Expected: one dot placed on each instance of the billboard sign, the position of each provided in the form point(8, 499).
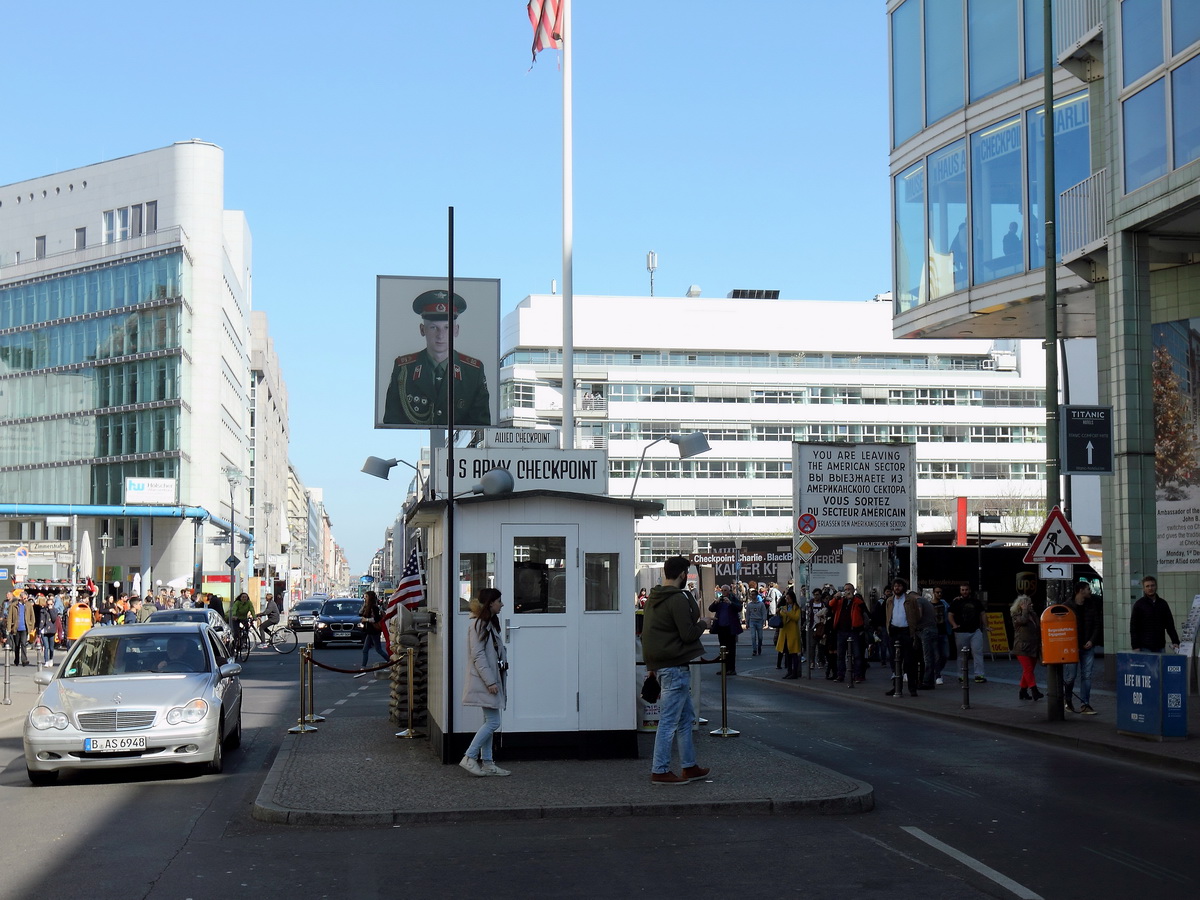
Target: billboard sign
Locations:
point(855, 489)
point(572, 471)
point(150, 491)
point(413, 319)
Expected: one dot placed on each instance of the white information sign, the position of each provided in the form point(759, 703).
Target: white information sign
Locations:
point(855, 489)
point(574, 471)
point(501, 438)
point(150, 491)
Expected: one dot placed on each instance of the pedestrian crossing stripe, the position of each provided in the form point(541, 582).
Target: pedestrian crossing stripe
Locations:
point(1056, 542)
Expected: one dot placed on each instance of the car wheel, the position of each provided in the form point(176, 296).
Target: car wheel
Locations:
point(235, 737)
point(40, 778)
point(215, 765)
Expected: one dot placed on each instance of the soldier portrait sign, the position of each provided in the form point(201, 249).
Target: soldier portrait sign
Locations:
point(415, 318)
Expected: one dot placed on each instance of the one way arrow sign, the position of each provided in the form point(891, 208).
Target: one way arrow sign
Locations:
point(1056, 542)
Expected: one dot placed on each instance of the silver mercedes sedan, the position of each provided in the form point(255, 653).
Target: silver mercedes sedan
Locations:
point(136, 695)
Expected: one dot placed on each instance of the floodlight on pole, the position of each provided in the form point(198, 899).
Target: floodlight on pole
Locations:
point(689, 445)
point(381, 468)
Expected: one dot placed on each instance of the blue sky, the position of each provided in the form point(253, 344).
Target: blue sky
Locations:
point(746, 150)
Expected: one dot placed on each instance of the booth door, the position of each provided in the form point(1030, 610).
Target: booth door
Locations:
point(540, 582)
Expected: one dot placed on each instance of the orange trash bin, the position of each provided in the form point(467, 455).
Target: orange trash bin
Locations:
point(79, 620)
point(1060, 635)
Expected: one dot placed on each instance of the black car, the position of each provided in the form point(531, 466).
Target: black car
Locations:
point(339, 621)
point(303, 616)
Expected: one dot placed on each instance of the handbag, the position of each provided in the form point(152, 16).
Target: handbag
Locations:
point(775, 621)
point(651, 689)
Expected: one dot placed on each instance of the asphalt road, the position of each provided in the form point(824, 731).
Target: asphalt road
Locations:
point(959, 814)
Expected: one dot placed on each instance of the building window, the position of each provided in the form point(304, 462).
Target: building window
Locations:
point(151, 217)
point(80, 238)
point(116, 225)
point(39, 247)
point(906, 71)
point(948, 220)
point(1185, 100)
point(1034, 34)
point(1144, 118)
point(1141, 38)
point(1072, 161)
point(135, 228)
point(909, 231)
point(943, 58)
point(1185, 25)
point(997, 196)
point(992, 45)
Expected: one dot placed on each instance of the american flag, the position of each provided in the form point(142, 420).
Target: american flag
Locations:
point(545, 17)
point(410, 593)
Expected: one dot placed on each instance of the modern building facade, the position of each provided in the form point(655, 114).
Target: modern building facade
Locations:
point(125, 293)
point(268, 454)
point(968, 131)
point(756, 374)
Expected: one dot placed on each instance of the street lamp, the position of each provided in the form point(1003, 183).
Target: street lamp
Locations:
point(234, 476)
point(381, 468)
point(105, 540)
point(689, 445)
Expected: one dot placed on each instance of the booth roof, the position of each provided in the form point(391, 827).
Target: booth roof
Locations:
point(435, 507)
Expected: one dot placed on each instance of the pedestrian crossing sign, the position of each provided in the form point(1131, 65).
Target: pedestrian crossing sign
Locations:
point(1056, 542)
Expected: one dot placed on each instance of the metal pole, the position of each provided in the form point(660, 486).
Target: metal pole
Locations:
point(410, 732)
point(301, 725)
point(232, 529)
point(451, 567)
point(724, 730)
point(964, 679)
point(312, 710)
point(1049, 212)
point(7, 701)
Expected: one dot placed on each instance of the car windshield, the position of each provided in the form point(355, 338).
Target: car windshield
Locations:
point(308, 606)
point(341, 608)
point(179, 615)
point(99, 655)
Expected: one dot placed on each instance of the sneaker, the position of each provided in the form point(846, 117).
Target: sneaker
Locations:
point(490, 768)
point(263, 646)
point(471, 764)
point(666, 778)
point(1071, 706)
point(696, 773)
point(938, 680)
point(979, 679)
point(1087, 710)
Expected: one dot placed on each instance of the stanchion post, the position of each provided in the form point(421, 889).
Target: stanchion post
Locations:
point(302, 725)
point(897, 671)
point(410, 731)
point(312, 710)
point(7, 688)
point(965, 655)
point(724, 730)
point(850, 673)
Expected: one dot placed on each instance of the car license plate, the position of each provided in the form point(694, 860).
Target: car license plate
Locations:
point(114, 744)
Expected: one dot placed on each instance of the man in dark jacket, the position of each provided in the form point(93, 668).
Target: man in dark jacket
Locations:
point(1087, 625)
point(1150, 618)
point(671, 630)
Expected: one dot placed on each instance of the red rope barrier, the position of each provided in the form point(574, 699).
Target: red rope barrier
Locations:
point(385, 665)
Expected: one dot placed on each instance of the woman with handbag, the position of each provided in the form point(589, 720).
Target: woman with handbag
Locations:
point(371, 615)
point(44, 617)
point(487, 662)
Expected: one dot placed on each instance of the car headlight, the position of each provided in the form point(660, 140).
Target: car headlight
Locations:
point(192, 713)
point(42, 717)
point(322, 624)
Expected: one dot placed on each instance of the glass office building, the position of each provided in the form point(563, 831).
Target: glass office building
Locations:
point(968, 128)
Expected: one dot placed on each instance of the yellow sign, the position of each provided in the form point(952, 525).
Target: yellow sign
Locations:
point(806, 547)
point(997, 636)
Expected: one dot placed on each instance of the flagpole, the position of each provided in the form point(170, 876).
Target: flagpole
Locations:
point(568, 317)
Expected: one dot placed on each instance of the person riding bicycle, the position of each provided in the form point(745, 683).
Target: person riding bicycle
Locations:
point(268, 619)
point(241, 611)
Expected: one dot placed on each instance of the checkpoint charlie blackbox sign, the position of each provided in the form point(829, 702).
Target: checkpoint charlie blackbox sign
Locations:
point(574, 471)
point(855, 489)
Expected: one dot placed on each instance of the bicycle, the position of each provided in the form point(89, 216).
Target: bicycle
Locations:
point(279, 638)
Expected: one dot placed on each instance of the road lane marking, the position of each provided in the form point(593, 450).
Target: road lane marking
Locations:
point(947, 787)
point(975, 865)
point(1140, 865)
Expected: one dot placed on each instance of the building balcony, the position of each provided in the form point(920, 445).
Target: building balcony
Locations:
point(1079, 29)
point(1083, 238)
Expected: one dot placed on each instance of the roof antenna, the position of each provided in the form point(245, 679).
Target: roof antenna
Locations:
point(651, 265)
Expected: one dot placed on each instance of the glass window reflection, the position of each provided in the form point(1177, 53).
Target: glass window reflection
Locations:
point(906, 71)
point(1185, 100)
point(1145, 129)
point(1072, 162)
point(475, 572)
point(992, 45)
point(909, 231)
point(539, 575)
point(1034, 33)
point(601, 576)
point(943, 58)
point(1141, 38)
point(948, 242)
point(1185, 25)
point(997, 194)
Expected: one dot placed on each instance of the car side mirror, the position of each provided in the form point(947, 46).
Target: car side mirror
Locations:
point(42, 679)
point(231, 669)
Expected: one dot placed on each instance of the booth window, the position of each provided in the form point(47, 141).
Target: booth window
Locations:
point(539, 575)
point(600, 582)
point(475, 572)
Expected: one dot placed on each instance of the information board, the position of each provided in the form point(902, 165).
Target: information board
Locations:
point(855, 489)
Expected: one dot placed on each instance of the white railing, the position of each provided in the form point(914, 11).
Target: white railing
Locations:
point(1083, 211)
point(68, 259)
point(1073, 19)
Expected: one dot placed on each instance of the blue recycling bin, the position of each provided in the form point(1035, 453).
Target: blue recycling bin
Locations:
point(1152, 695)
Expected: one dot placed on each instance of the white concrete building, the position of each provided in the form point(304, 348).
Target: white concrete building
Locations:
point(757, 374)
point(125, 294)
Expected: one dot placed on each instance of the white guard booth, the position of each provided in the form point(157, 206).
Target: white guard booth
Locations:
point(564, 565)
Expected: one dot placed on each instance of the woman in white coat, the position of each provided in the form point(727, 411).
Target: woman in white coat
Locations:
point(486, 665)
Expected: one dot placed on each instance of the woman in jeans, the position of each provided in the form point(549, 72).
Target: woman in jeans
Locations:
point(371, 616)
point(486, 665)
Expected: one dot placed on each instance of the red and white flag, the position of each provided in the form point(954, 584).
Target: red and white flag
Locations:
point(545, 17)
point(409, 594)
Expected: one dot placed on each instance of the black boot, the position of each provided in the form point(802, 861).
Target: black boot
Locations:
point(1023, 694)
point(1037, 695)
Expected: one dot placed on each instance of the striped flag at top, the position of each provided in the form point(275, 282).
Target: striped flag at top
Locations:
point(408, 595)
point(547, 27)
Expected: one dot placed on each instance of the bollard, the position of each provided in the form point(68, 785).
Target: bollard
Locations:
point(302, 725)
point(724, 730)
point(850, 673)
point(312, 710)
point(410, 731)
point(897, 671)
point(964, 654)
